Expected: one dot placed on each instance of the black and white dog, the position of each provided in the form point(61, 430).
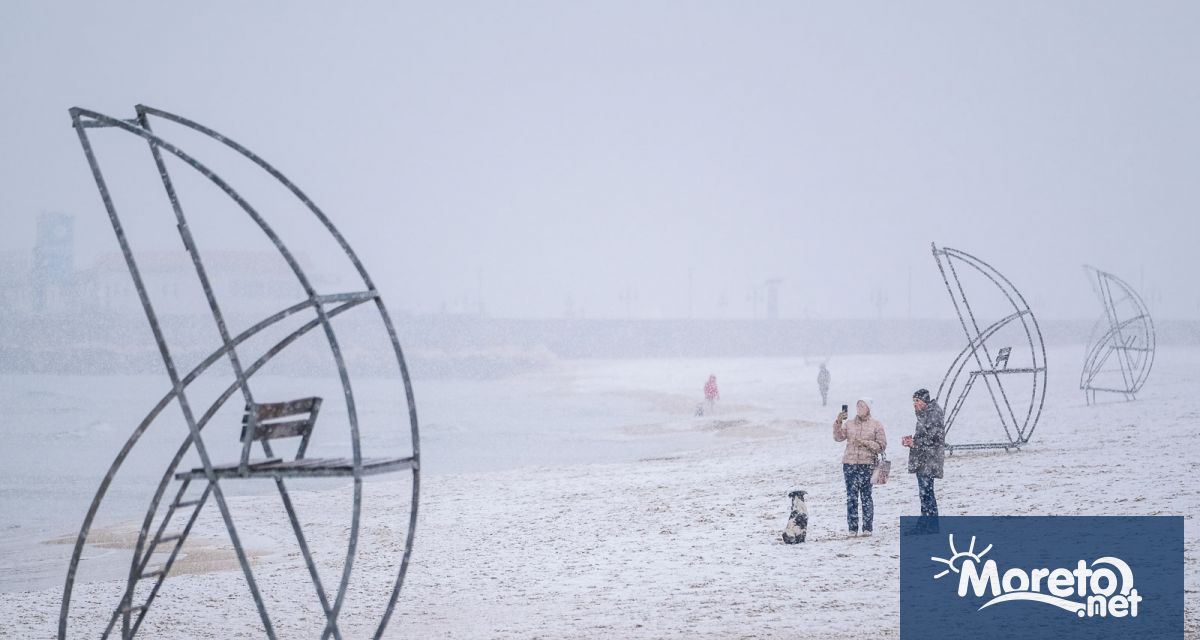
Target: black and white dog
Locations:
point(797, 526)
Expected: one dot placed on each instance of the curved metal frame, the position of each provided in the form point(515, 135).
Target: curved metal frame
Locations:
point(1121, 338)
point(325, 307)
point(990, 370)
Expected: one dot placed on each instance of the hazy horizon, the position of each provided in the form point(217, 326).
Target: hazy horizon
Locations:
point(651, 160)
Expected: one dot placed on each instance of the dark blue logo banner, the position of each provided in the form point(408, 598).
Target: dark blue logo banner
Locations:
point(1042, 577)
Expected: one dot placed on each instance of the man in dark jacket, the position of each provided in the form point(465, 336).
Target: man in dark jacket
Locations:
point(926, 455)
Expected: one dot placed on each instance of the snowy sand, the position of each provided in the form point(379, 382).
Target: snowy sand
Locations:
point(672, 544)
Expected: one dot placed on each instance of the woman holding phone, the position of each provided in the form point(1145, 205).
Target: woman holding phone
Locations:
point(865, 439)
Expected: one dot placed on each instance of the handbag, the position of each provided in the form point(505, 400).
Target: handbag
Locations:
point(883, 469)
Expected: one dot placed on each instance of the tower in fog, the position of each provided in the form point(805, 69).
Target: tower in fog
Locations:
point(773, 298)
point(53, 256)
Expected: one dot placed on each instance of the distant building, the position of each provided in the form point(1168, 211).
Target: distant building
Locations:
point(245, 283)
point(47, 280)
point(53, 261)
point(773, 298)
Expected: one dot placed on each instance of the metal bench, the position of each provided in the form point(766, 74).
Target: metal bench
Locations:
point(263, 422)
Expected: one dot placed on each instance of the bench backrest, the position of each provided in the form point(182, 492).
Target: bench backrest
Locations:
point(270, 421)
point(1002, 358)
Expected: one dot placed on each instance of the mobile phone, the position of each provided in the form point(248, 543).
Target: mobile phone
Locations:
point(845, 409)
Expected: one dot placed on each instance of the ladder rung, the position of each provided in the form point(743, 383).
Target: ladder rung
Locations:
point(131, 609)
point(187, 503)
point(170, 538)
point(152, 574)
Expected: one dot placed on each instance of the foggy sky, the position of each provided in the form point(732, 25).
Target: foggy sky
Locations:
point(531, 153)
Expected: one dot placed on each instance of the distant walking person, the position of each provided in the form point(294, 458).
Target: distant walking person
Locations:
point(823, 384)
point(711, 394)
point(865, 440)
point(926, 456)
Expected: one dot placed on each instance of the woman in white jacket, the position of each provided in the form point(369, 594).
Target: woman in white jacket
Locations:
point(865, 439)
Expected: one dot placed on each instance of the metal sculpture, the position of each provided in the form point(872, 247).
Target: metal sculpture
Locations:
point(1126, 331)
point(263, 423)
point(992, 361)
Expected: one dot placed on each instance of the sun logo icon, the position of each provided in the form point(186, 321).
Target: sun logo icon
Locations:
point(958, 557)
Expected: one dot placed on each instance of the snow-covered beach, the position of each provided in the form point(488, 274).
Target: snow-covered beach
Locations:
point(672, 541)
point(521, 307)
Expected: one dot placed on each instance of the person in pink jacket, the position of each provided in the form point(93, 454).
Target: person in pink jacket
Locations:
point(711, 394)
point(865, 439)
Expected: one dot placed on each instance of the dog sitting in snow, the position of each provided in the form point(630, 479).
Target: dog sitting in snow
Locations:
point(797, 526)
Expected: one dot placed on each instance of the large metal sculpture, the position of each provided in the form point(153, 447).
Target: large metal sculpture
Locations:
point(1008, 376)
point(265, 424)
point(1126, 331)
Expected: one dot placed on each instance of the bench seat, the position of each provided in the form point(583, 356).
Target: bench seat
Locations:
point(303, 468)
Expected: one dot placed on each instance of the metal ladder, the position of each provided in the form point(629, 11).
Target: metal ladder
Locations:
point(126, 610)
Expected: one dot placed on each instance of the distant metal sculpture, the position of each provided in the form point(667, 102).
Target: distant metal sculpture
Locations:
point(992, 370)
point(1126, 330)
point(262, 422)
